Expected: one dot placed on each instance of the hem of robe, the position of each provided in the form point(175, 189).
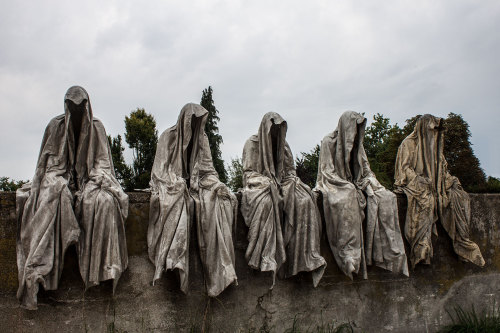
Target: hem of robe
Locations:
point(316, 272)
point(267, 267)
point(359, 269)
point(423, 254)
point(473, 255)
point(227, 284)
point(181, 274)
point(397, 265)
point(29, 298)
point(24, 291)
point(114, 275)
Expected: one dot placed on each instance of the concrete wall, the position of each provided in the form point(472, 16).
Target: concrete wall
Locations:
point(384, 302)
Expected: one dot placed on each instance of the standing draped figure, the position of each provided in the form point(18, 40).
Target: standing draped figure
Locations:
point(74, 197)
point(185, 186)
point(422, 174)
point(280, 211)
point(348, 186)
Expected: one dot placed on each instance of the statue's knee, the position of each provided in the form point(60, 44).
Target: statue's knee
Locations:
point(304, 201)
point(105, 200)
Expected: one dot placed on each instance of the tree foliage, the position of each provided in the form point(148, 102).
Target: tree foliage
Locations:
point(307, 166)
point(381, 143)
point(123, 172)
point(142, 136)
point(212, 130)
point(493, 185)
point(7, 184)
point(235, 171)
point(377, 134)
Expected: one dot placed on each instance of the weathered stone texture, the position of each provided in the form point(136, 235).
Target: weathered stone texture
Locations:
point(8, 227)
point(384, 302)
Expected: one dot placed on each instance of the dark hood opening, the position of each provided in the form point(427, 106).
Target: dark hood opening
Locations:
point(353, 166)
point(275, 133)
point(271, 136)
point(78, 125)
point(350, 134)
point(192, 148)
point(76, 111)
point(429, 134)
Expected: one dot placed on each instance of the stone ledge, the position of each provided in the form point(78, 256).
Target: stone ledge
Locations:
point(381, 303)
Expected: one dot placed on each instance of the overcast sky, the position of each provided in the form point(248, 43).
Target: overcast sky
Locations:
point(307, 60)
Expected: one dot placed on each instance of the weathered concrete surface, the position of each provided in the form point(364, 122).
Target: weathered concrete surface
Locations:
point(384, 302)
point(8, 228)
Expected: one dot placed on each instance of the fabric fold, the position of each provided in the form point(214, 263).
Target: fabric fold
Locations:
point(185, 190)
point(349, 188)
point(280, 211)
point(433, 194)
point(74, 198)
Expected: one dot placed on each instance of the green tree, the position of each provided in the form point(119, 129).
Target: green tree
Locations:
point(387, 157)
point(235, 171)
point(307, 166)
point(382, 141)
point(381, 144)
point(212, 130)
point(377, 135)
point(123, 172)
point(10, 185)
point(459, 154)
point(142, 136)
point(493, 185)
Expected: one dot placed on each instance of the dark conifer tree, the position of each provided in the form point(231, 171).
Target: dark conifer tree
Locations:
point(212, 130)
point(123, 172)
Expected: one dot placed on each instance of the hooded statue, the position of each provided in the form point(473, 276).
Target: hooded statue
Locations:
point(74, 197)
point(185, 186)
point(280, 211)
point(348, 186)
point(422, 174)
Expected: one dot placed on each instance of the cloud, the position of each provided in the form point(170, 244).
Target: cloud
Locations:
point(309, 61)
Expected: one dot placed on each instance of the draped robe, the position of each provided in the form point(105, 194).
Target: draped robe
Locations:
point(280, 211)
point(348, 186)
point(185, 186)
point(74, 197)
point(433, 194)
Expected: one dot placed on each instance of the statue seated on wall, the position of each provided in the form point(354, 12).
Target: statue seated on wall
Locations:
point(280, 211)
point(74, 198)
point(186, 187)
point(349, 189)
point(433, 194)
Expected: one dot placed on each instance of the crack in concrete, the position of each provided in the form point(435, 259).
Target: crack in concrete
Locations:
point(261, 311)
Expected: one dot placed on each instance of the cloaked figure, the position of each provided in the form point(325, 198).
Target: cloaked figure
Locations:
point(186, 187)
point(422, 174)
point(74, 197)
point(280, 211)
point(348, 186)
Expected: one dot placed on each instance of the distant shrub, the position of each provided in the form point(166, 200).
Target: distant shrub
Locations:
point(6, 184)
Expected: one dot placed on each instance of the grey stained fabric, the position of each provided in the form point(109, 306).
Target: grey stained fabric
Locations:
point(186, 187)
point(348, 186)
point(422, 174)
point(74, 197)
point(280, 211)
